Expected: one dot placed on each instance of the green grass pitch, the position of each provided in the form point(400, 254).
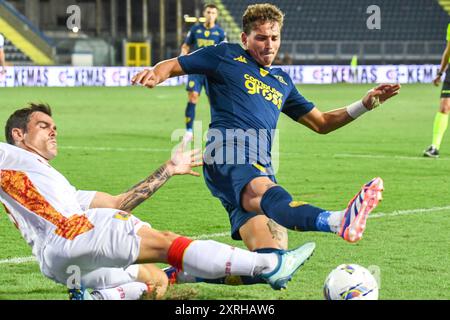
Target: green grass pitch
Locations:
point(111, 138)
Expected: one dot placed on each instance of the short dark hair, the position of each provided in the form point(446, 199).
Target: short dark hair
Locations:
point(20, 118)
point(210, 5)
point(259, 14)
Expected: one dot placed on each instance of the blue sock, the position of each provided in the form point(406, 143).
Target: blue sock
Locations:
point(277, 204)
point(322, 222)
point(190, 115)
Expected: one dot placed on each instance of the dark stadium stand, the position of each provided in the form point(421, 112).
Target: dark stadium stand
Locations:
point(13, 55)
point(346, 20)
point(25, 43)
point(408, 27)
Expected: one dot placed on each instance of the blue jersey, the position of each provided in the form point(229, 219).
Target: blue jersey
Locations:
point(243, 94)
point(199, 36)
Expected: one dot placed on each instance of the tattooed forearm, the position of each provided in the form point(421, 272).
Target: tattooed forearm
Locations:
point(279, 233)
point(144, 189)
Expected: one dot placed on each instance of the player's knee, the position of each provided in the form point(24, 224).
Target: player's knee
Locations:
point(155, 245)
point(169, 235)
point(445, 106)
point(250, 201)
point(166, 239)
point(253, 192)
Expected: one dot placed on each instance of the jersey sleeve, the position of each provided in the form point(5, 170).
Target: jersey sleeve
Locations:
point(2, 157)
point(223, 36)
point(85, 198)
point(296, 105)
point(203, 61)
point(4, 148)
point(190, 38)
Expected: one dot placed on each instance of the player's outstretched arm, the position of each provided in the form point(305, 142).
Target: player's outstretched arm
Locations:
point(159, 73)
point(325, 122)
point(181, 162)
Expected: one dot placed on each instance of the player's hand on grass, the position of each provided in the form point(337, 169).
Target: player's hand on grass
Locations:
point(183, 161)
point(437, 80)
point(146, 78)
point(380, 94)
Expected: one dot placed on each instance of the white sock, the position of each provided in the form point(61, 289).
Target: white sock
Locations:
point(128, 291)
point(335, 220)
point(265, 263)
point(211, 260)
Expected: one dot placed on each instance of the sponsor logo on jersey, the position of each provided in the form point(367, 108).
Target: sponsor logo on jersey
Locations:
point(259, 167)
point(216, 33)
point(191, 84)
point(122, 215)
point(294, 204)
point(281, 79)
point(256, 86)
point(241, 59)
point(205, 42)
point(207, 33)
point(263, 72)
point(199, 31)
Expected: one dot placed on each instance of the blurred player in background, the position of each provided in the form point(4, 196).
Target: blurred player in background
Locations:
point(354, 69)
point(200, 35)
point(441, 118)
point(2, 55)
point(95, 231)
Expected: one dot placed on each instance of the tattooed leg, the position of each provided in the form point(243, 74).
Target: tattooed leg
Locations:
point(279, 233)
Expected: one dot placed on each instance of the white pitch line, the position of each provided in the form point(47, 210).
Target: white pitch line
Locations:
point(381, 156)
point(338, 155)
point(115, 149)
point(408, 212)
point(212, 235)
point(20, 260)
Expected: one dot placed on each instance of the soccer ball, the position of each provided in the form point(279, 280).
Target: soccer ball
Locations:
point(350, 282)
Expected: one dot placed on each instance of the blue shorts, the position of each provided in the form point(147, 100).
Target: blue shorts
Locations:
point(196, 82)
point(226, 182)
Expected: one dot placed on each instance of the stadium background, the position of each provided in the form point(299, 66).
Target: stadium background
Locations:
point(111, 138)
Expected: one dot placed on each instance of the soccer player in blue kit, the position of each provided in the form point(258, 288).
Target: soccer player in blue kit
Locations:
point(200, 35)
point(247, 95)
